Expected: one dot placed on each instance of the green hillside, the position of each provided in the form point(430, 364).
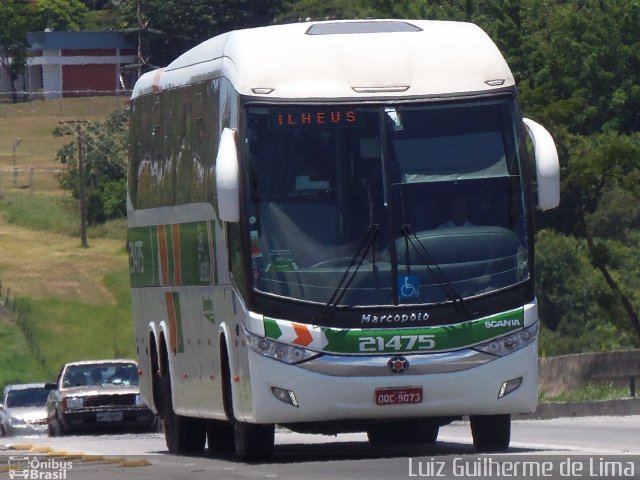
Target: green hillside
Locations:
point(60, 302)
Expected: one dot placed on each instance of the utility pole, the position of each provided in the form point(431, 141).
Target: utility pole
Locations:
point(16, 143)
point(81, 177)
point(82, 191)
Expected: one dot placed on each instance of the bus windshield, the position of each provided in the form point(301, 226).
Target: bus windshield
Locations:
point(385, 204)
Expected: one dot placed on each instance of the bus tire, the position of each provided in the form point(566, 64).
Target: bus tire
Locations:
point(156, 379)
point(220, 437)
point(183, 435)
point(491, 433)
point(253, 441)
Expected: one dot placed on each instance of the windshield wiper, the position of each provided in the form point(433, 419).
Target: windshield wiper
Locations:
point(350, 272)
point(436, 272)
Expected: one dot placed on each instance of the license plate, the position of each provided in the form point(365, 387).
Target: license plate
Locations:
point(109, 416)
point(398, 395)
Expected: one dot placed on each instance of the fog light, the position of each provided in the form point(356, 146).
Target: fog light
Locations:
point(509, 386)
point(286, 396)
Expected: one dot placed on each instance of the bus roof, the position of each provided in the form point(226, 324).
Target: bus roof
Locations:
point(343, 60)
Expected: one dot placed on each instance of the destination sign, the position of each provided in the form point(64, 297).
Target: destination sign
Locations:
point(312, 117)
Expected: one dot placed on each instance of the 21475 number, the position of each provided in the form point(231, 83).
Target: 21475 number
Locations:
point(397, 343)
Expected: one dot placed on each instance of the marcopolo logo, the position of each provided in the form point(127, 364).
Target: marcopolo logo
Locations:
point(38, 468)
point(394, 317)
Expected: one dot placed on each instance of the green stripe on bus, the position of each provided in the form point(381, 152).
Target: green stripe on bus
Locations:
point(196, 255)
point(423, 339)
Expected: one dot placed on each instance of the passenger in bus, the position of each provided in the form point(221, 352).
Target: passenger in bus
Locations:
point(458, 211)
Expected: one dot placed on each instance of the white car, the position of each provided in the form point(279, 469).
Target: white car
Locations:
point(98, 394)
point(23, 410)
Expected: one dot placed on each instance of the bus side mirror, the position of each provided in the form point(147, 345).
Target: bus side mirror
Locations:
point(227, 177)
point(547, 165)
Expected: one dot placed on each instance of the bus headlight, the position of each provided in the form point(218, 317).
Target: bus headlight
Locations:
point(510, 343)
point(278, 351)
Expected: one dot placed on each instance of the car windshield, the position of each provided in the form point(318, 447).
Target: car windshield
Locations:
point(27, 397)
point(101, 374)
point(382, 205)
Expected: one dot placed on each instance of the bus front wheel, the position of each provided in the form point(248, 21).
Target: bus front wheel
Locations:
point(182, 434)
point(253, 441)
point(491, 433)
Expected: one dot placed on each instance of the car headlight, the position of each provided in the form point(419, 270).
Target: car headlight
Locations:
point(140, 401)
point(510, 343)
point(278, 351)
point(72, 402)
point(16, 422)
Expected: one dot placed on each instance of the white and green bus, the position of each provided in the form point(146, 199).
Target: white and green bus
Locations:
point(295, 256)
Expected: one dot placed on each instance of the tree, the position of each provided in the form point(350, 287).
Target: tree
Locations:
point(170, 27)
point(579, 311)
point(304, 10)
point(57, 15)
point(605, 169)
point(583, 65)
point(105, 146)
point(18, 17)
point(13, 41)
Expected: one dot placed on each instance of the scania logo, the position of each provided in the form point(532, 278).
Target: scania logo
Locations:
point(398, 364)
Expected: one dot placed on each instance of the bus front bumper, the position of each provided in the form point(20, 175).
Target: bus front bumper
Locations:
point(283, 393)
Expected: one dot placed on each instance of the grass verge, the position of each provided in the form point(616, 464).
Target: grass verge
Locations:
point(67, 331)
point(17, 363)
point(55, 214)
point(589, 393)
point(38, 212)
point(69, 303)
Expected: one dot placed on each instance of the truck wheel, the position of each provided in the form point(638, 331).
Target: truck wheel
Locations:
point(491, 433)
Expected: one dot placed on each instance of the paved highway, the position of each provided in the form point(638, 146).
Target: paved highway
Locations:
point(586, 447)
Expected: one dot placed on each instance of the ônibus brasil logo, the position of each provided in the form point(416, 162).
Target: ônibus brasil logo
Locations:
point(38, 468)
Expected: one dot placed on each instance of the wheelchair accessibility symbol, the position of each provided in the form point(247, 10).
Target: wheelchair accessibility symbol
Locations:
point(408, 286)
